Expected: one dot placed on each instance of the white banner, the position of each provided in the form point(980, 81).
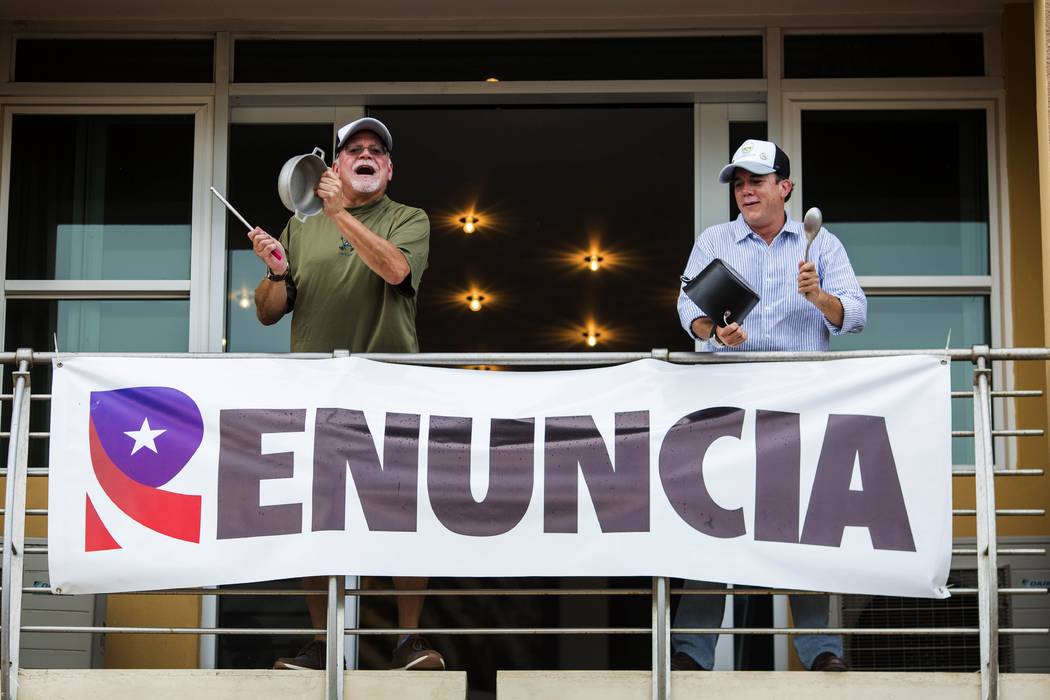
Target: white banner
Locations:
point(191, 472)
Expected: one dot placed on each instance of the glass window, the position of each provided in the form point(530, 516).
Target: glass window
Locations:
point(551, 187)
point(924, 322)
point(883, 55)
point(257, 153)
point(88, 326)
point(905, 190)
point(409, 60)
point(98, 325)
point(100, 197)
point(114, 60)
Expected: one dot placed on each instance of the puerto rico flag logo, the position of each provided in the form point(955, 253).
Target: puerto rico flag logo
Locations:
point(140, 439)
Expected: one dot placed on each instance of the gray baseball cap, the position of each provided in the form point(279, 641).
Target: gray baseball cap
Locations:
point(365, 124)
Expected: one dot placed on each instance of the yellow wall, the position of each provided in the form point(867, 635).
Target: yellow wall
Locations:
point(1041, 87)
point(139, 650)
point(1026, 271)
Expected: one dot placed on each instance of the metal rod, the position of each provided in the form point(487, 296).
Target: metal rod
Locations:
point(232, 210)
point(460, 631)
point(333, 678)
point(575, 358)
point(987, 567)
point(468, 592)
point(1032, 552)
point(661, 640)
point(14, 530)
point(1020, 432)
point(1015, 393)
point(1001, 511)
point(1001, 472)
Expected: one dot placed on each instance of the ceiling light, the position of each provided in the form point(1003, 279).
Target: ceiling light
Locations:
point(474, 301)
point(593, 261)
point(470, 223)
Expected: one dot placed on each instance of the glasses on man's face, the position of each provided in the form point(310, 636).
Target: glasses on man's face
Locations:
point(375, 150)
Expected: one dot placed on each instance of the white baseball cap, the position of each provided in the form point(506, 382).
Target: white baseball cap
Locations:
point(759, 157)
point(365, 124)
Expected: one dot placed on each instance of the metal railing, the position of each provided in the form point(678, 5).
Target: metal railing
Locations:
point(986, 552)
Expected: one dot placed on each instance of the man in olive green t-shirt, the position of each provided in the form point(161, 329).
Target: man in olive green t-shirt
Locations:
point(349, 279)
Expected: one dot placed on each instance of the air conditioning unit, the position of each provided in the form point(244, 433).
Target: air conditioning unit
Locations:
point(932, 652)
point(58, 649)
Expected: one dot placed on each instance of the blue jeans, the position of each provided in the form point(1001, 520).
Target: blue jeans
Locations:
point(707, 611)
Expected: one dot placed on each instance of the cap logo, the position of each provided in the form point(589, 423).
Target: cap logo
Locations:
point(746, 148)
point(763, 156)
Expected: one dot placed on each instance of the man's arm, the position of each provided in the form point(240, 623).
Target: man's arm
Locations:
point(731, 335)
point(809, 287)
point(380, 255)
point(836, 292)
point(271, 298)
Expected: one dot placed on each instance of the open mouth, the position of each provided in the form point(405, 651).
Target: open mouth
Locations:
point(364, 169)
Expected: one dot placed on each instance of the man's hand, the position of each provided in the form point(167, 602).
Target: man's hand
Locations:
point(330, 189)
point(809, 281)
point(732, 335)
point(809, 287)
point(269, 250)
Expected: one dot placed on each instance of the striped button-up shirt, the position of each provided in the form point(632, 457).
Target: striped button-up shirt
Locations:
point(783, 319)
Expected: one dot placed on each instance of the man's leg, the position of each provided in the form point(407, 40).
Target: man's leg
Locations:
point(311, 656)
point(413, 652)
point(699, 611)
point(317, 604)
point(409, 607)
point(812, 611)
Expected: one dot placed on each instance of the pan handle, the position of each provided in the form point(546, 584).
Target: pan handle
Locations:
point(319, 153)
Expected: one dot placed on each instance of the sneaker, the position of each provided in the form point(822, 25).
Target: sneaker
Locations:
point(828, 661)
point(415, 654)
point(310, 658)
point(680, 661)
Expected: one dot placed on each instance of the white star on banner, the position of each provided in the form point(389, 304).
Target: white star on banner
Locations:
point(144, 437)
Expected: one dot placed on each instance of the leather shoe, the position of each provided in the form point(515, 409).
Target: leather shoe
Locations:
point(680, 661)
point(828, 661)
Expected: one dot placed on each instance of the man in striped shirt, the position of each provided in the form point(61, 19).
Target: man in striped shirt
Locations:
point(802, 304)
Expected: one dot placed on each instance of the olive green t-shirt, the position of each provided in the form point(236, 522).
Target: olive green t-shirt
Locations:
point(337, 301)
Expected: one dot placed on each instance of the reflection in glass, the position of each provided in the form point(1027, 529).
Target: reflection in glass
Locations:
point(905, 190)
point(244, 333)
point(923, 323)
point(99, 325)
point(93, 251)
point(88, 326)
point(915, 247)
point(100, 197)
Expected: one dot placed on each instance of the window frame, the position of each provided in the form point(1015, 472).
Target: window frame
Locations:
point(195, 288)
point(997, 285)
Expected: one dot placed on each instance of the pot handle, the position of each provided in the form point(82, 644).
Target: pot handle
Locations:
point(319, 153)
point(300, 216)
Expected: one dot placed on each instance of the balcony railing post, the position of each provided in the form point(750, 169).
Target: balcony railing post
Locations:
point(334, 647)
point(661, 639)
point(14, 526)
point(987, 568)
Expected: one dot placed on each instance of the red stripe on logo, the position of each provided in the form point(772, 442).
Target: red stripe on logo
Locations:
point(176, 515)
point(96, 536)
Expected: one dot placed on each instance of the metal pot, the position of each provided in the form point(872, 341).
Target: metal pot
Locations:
point(297, 182)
